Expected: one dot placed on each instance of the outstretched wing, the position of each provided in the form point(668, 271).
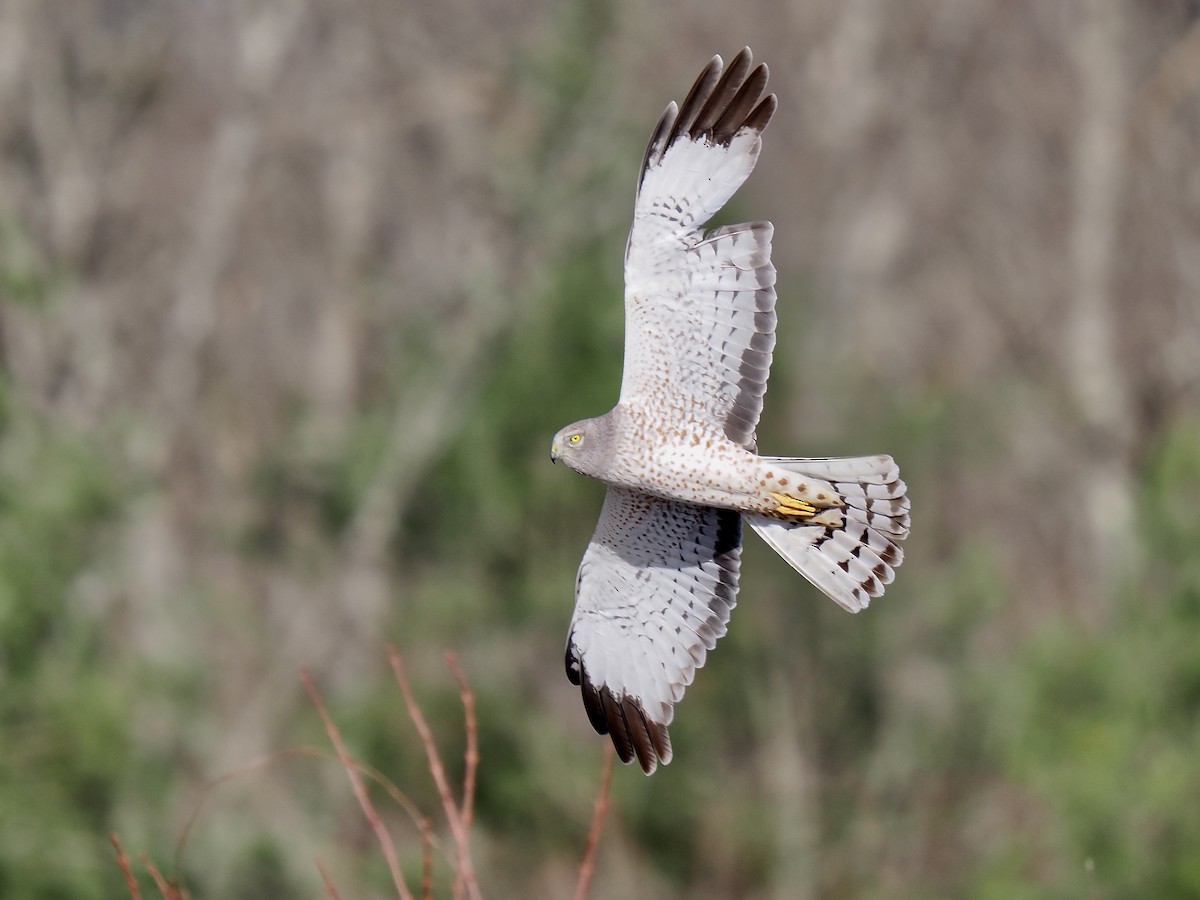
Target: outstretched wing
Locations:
point(700, 308)
point(653, 594)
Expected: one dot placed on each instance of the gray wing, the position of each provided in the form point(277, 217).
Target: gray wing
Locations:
point(700, 307)
point(652, 597)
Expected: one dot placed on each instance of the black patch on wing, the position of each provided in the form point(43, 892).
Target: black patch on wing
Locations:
point(725, 552)
point(719, 105)
point(625, 722)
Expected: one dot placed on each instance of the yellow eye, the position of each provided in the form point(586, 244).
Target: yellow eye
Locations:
point(575, 438)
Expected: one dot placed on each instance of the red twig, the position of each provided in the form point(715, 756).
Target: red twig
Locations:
point(370, 772)
point(325, 879)
point(135, 892)
point(466, 869)
point(471, 756)
point(426, 861)
point(588, 865)
point(168, 890)
point(360, 791)
point(472, 728)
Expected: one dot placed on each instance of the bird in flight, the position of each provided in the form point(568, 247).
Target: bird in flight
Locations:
point(678, 451)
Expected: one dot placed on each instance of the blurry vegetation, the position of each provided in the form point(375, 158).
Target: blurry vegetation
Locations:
point(1102, 729)
point(293, 298)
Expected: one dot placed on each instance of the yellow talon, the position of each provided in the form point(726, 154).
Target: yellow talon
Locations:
point(790, 506)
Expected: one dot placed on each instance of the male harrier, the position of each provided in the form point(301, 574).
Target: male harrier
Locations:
point(678, 451)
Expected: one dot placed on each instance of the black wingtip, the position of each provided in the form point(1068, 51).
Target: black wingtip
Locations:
point(722, 94)
point(719, 106)
point(721, 98)
point(624, 720)
point(702, 88)
point(737, 108)
point(761, 115)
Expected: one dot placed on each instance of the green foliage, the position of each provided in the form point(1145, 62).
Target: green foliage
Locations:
point(495, 493)
point(932, 747)
point(62, 715)
point(54, 494)
point(23, 275)
point(261, 872)
point(1101, 730)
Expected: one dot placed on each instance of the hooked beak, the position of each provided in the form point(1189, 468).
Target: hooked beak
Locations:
point(554, 452)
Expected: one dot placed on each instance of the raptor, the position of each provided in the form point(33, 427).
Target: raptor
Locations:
point(678, 451)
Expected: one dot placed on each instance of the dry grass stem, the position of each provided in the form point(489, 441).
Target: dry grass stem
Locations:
point(360, 791)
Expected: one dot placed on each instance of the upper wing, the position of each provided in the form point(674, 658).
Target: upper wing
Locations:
point(653, 594)
point(700, 308)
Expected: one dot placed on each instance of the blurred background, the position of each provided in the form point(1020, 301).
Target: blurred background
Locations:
point(293, 295)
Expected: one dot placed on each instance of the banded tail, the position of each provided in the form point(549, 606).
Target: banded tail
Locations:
point(851, 551)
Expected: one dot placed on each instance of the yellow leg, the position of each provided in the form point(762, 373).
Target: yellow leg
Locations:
point(791, 506)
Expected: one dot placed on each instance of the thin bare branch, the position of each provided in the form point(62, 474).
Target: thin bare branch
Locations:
point(471, 755)
point(466, 869)
point(587, 865)
point(360, 791)
point(330, 890)
point(123, 861)
point(168, 889)
point(426, 861)
point(472, 728)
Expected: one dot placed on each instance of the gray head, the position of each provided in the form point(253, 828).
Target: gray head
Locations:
point(587, 446)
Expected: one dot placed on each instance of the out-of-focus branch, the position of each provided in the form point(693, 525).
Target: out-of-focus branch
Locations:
point(467, 696)
point(169, 890)
point(466, 868)
point(1177, 76)
point(426, 859)
point(497, 262)
point(262, 45)
point(1094, 373)
point(587, 866)
point(360, 791)
point(429, 409)
point(135, 892)
point(330, 890)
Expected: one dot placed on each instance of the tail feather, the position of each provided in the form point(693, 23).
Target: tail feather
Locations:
point(849, 552)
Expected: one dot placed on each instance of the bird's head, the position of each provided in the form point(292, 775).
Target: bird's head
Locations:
point(584, 446)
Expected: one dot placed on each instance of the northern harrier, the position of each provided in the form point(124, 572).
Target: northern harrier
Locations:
point(678, 451)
